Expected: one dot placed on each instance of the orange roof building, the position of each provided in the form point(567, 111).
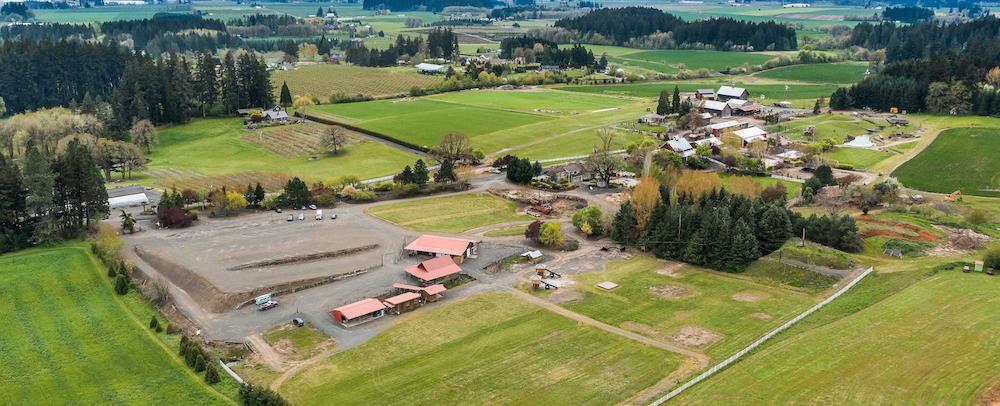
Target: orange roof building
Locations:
point(459, 248)
point(358, 312)
point(434, 270)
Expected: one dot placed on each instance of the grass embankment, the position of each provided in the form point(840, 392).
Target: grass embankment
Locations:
point(734, 310)
point(837, 73)
point(930, 343)
point(449, 214)
point(69, 339)
point(963, 159)
point(489, 349)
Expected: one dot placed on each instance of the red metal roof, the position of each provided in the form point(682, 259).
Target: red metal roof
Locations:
point(359, 308)
point(402, 298)
point(440, 245)
point(435, 289)
point(434, 268)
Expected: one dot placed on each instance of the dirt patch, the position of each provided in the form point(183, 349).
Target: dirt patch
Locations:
point(284, 346)
point(903, 230)
point(296, 259)
point(960, 241)
point(671, 291)
point(761, 316)
point(694, 336)
point(565, 295)
point(672, 270)
point(749, 296)
point(991, 398)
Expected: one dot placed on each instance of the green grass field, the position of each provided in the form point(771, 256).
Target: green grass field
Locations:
point(652, 89)
point(710, 303)
point(493, 120)
point(793, 189)
point(931, 343)
point(69, 339)
point(963, 159)
point(449, 214)
point(672, 60)
point(848, 72)
point(509, 231)
point(325, 79)
point(858, 158)
point(210, 150)
point(837, 126)
point(488, 349)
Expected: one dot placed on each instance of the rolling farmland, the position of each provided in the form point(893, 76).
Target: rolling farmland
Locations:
point(838, 73)
point(652, 89)
point(325, 79)
point(958, 159)
point(450, 214)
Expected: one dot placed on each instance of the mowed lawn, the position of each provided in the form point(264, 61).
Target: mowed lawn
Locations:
point(220, 146)
point(735, 310)
point(934, 342)
point(836, 126)
point(489, 349)
point(857, 158)
point(793, 189)
point(449, 214)
point(322, 80)
point(532, 101)
point(966, 159)
point(68, 339)
point(847, 72)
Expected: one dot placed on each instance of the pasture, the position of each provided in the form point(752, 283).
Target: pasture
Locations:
point(959, 159)
point(219, 151)
point(493, 120)
point(937, 335)
point(489, 349)
point(836, 126)
point(793, 189)
point(704, 310)
point(323, 80)
point(69, 339)
point(857, 158)
point(449, 214)
point(652, 89)
point(673, 60)
point(838, 73)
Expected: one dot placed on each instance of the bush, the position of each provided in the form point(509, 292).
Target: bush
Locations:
point(551, 235)
point(908, 247)
point(211, 374)
point(199, 362)
point(153, 323)
point(171, 329)
point(172, 217)
point(121, 285)
point(362, 196)
point(978, 216)
point(845, 167)
point(383, 187)
point(992, 257)
point(590, 220)
point(253, 395)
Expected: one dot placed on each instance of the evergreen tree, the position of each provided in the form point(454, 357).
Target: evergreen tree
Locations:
point(39, 183)
point(773, 229)
point(662, 108)
point(742, 249)
point(623, 227)
point(121, 285)
point(258, 195)
point(286, 95)
point(154, 323)
point(446, 173)
point(536, 169)
point(229, 87)
point(407, 175)
point(694, 250)
point(420, 173)
point(211, 374)
point(79, 188)
point(816, 108)
point(249, 196)
point(675, 101)
point(206, 87)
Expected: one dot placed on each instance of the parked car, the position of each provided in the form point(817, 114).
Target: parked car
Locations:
point(298, 322)
point(268, 305)
point(302, 216)
point(312, 207)
point(291, 217)
point(333, 216)
point(278, 210)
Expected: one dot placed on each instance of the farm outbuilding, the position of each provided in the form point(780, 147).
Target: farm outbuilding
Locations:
point(749, 135)
point(680, 146)
point(359, 312)
point(726, 127)
point(434, 270)
point(726, 93)
point(716, 108)
point(127, 196)
point(431, 69)
point(402, 303)
point(457, 248)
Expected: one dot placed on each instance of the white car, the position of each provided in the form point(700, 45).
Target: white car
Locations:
point(302, 216)
point(267, 306)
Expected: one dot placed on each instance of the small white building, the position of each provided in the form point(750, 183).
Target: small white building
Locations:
point(726, 93)
point(716, 108)
point(431, 68)
point(127, 196)
point(680, 146)
point(749, 135)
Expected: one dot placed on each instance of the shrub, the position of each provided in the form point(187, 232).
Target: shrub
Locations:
point(153, 323)
point(383, 186)
point(531, 232)
point(172, 217)
point(978, 216)
point(590, 220)
point(121, 285)
point(551, 235)
point(171, 329)
point(211, 374)
point(362, 196)
point(992, 257)
point(199, 362)
point(253, 395)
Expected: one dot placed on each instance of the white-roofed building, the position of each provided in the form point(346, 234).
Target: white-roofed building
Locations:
point(726, 93)
point(716, 108)
point(680, 146)
point(751, 134)
point(431, 68)
point(127, 196)
point(726, 127)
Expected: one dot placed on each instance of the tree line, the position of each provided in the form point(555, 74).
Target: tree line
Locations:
point(622, 25)
point(440, 43)
point(547, 52)
point(930, 67)
point(49, 198)
point(144, 30)
point(910, 14)
point(429, 5)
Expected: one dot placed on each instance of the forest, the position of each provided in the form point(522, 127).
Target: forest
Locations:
point(429, 5)
point(440, 43)
point(549, 53)
point(622, 25)
point(907, 14)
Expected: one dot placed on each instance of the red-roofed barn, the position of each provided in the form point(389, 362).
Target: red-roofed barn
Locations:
point(358, 312)
point(457, 248)
point(435, 270)
point(403, 303)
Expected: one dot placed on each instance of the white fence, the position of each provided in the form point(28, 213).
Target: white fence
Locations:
point(230, 372)
point(728, 361)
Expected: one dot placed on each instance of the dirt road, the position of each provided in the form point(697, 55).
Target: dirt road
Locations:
point(267, 354)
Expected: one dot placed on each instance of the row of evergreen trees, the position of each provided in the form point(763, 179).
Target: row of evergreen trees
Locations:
point(440, 43)
point(623, 24)
point(720, 230)
point(576, 56)
point(429, 5)
point(49, 198)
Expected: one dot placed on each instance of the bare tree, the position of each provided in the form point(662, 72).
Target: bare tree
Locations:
point(144, 135)
point(334, 139)
point(453, 147)
point(602, 161)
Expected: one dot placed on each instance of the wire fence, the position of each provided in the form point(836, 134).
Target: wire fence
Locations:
point(735, 357)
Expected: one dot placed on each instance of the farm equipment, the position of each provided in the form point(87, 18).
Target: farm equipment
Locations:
point(955, 196)
point(809, 131)
point(546, 273)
